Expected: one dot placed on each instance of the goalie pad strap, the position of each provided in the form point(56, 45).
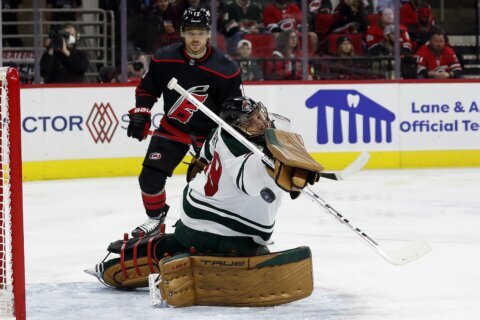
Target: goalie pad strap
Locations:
point(122, 260)
point(135, 249)
point(265, 280)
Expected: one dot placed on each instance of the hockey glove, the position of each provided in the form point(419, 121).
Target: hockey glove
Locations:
point(140, 122)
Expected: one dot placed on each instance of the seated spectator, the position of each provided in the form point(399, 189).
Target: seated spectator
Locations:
point(289, 66)
point(349, 17)
point(108, 74)
point(386, 46)
point(251, 69)
point(316, 7)
point(422, 31)
point(182, 5)
point(62, 62)
point(241, 17)
point(281, 15)
point(169, 15)
point(144, 28)
point(408, 13)
point(376, 33)
point(11, 17)
point(320, 6)
point(346, 68)
point(137, 66)
point(436, 60)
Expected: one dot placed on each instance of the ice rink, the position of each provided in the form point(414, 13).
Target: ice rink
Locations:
point(69, 224)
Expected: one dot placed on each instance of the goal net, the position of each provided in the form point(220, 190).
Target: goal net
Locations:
point(12, 272)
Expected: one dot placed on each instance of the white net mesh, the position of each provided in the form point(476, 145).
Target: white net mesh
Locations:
point(6, 273)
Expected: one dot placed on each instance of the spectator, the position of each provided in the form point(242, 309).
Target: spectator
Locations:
point(11, 17)
point(144, 29)
point(288, 53)
point(282, 15)
point(436, 60)
point(316, 7)
point(376, 33)
point(241, 17)
point(251, 69)
point(169, 15)
point(408, 13)
point(386, 46)
point(63, 17)
point(136, 67)
point(182, 5)
point(62, 62)
point(320, 6)
point(422, 31)
point(349, 17)
point(346, 67)
point(108, 74)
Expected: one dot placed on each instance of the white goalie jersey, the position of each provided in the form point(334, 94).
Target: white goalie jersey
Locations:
point(225, 198)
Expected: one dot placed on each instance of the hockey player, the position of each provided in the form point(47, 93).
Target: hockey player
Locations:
point(228, 210)
point(207, 74)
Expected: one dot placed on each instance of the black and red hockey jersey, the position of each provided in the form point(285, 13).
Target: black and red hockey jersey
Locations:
point(211, 79)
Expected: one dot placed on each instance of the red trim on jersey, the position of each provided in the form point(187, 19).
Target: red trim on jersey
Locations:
point(220, 74)
point(176, 133)
point(168, 60)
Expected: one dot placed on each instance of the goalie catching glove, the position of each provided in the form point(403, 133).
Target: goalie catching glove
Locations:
point(294, 167)
point(140, 121)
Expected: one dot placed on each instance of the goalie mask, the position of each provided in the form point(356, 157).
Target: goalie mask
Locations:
point(247, 116)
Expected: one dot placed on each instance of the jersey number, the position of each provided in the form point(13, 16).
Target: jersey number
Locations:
point(213, 177)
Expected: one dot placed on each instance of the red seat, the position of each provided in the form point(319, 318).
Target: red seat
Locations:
point(356, 39)
point(262, 44)
point(323, 21)
point(221, 42)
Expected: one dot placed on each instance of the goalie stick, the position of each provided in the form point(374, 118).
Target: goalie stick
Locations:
point(402, 256)
point(351, 169)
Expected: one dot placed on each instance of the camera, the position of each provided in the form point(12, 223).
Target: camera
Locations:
point(58, 36)
point(137, 65)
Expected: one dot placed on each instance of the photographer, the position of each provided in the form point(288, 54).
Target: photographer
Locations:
point(62, 62)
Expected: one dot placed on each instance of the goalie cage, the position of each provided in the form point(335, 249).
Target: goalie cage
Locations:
point(12, 270)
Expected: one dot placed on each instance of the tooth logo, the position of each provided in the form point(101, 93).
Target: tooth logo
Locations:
point(353, 100)
point(357, 107)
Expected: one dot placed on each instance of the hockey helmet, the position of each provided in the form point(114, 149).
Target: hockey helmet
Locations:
point(196, 17)
point(246, 115)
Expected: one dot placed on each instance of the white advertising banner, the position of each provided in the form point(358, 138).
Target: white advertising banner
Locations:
point(90, 122)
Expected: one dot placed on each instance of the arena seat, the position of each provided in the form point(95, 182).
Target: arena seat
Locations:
point(323, 21)
point(262, 44)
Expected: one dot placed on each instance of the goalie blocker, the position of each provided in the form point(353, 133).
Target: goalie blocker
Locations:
point(195, 279)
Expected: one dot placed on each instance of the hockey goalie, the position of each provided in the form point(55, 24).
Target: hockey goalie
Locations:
point(218, 254)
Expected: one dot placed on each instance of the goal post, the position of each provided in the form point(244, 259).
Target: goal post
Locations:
point(12, 265)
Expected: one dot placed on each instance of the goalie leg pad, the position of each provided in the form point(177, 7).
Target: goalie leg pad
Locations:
point(258, 281)
point(129, 275)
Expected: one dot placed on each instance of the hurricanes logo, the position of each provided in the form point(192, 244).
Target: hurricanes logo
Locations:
point(183, 109)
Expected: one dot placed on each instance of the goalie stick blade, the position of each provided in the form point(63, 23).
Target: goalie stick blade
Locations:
point(409, 253)
point(353, 168)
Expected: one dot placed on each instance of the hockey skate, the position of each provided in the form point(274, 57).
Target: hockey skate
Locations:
point(151, 225)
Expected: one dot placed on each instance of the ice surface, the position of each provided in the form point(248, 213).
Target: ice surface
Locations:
point(69, 224)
